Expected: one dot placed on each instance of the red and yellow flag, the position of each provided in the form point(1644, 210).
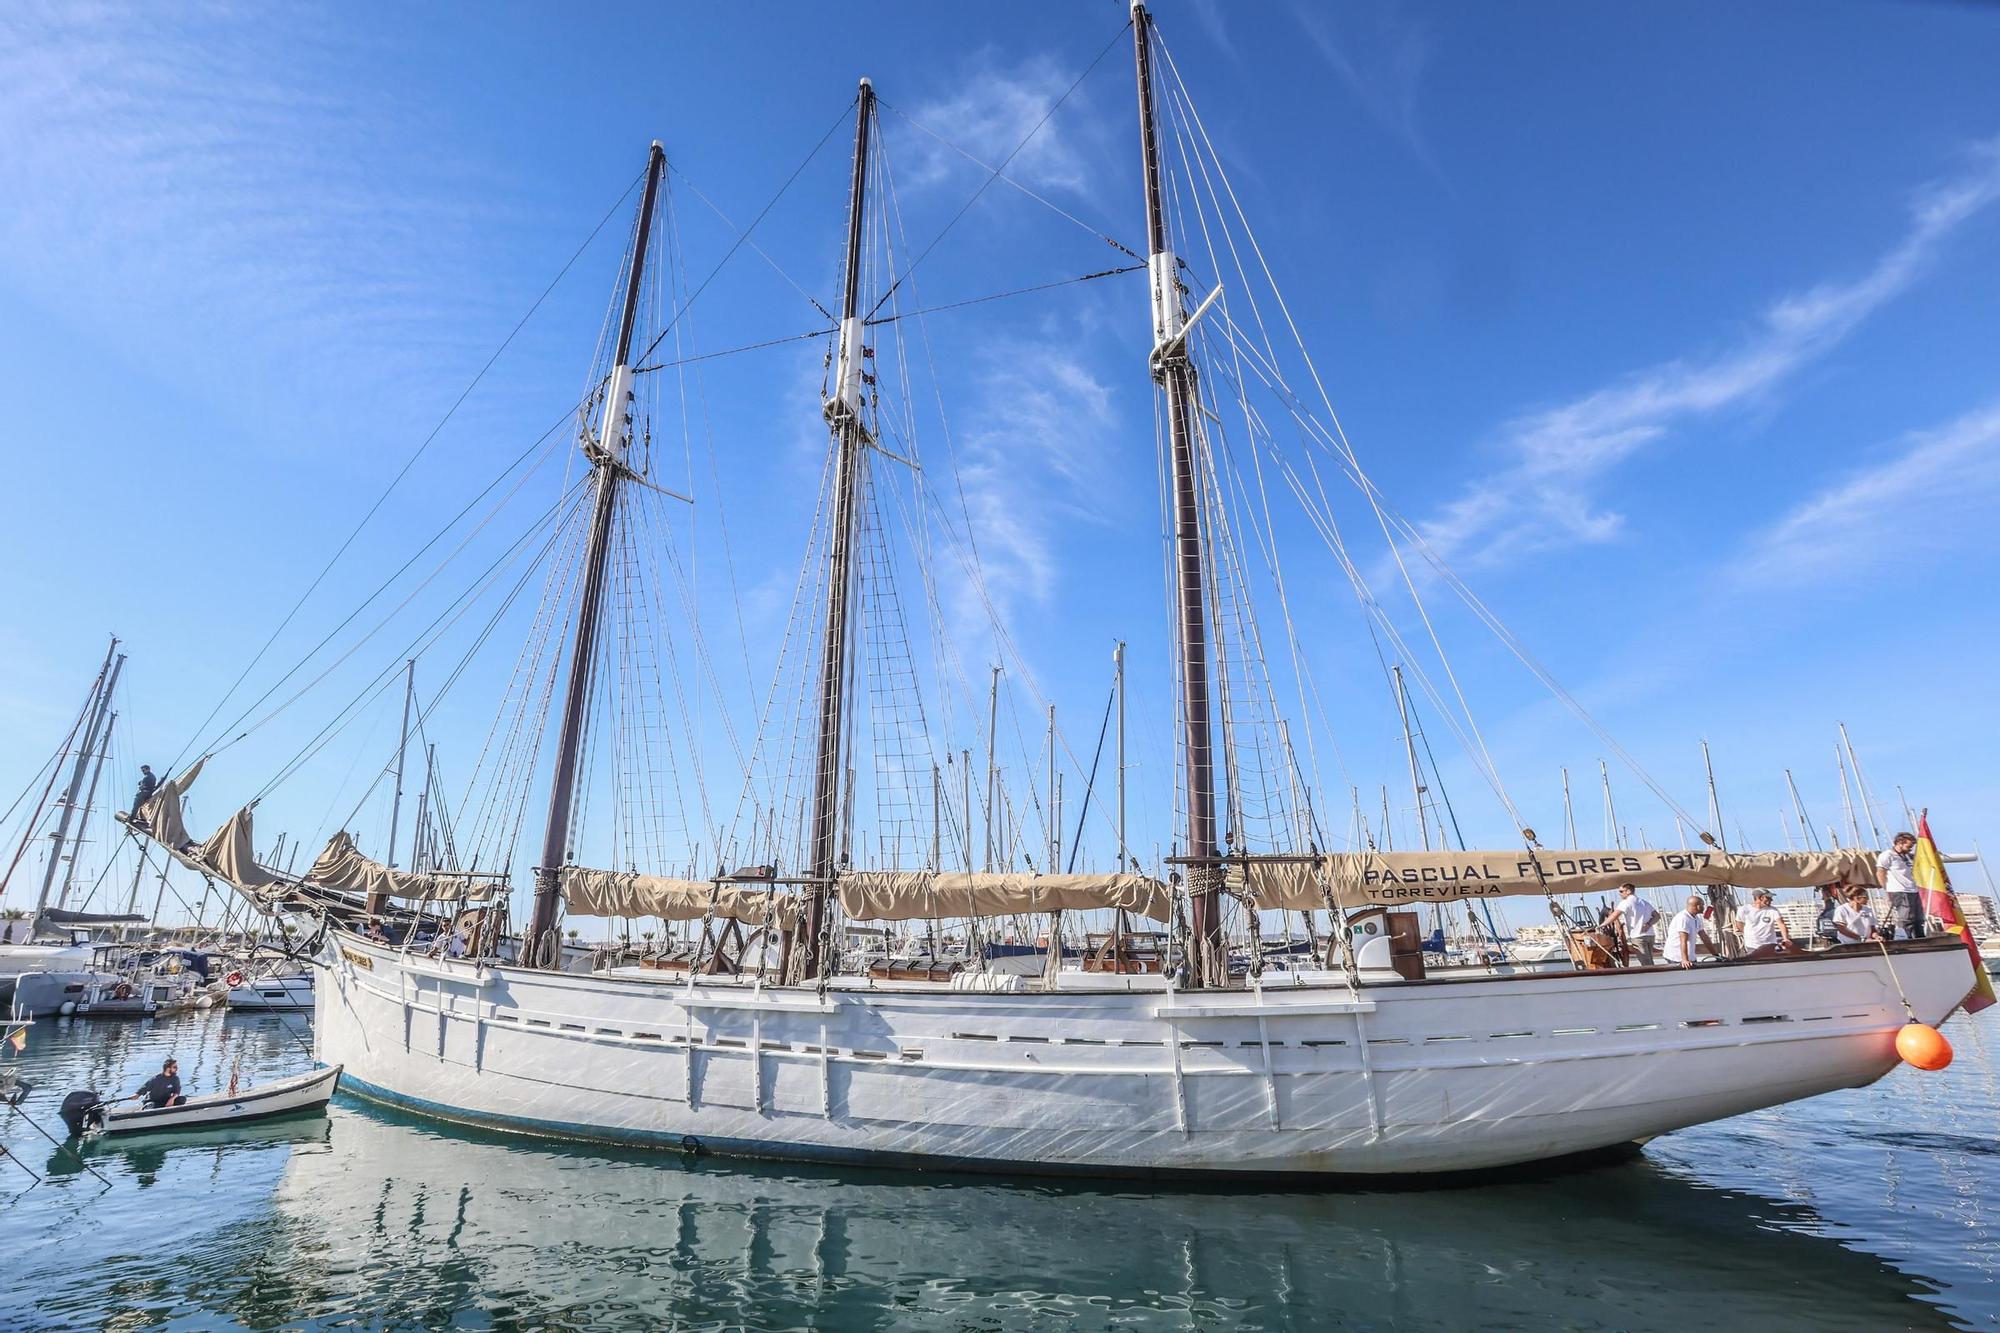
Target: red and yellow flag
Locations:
point(1928, 870)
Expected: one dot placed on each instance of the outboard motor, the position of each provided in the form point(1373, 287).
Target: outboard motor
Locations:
point(82, 1110)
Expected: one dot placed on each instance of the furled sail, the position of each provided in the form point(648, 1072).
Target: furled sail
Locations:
point(342, 866)
point(228, 855)
point(1394, 879)
point(909, 895)
point(589, 892)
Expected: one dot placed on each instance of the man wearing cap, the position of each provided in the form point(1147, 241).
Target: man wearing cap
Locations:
point(1763, 927)
point(1897, 870)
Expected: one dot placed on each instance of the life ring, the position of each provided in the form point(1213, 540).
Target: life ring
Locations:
point(234, 979)
point(122, 991)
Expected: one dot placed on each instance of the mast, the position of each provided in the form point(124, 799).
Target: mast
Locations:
point(1173, 371)
point(1810, 838)
point(418, 839)
point(89, 804)
point(1714, 800)
point(1847, 798)
point(607, 457)
point(1569, 813)
point(402, 754)
point(992, 760)
point(107, 681)
point(1613, 835)
point(843, 417)
point(1861, 785)
point(1410, 746)
point(1118, 666)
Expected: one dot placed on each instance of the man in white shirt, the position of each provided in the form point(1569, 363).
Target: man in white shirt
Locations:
point(1687, 933)
point(1897, 869)
point(1855, 921)
point(1636, 917)
point(1762, 927)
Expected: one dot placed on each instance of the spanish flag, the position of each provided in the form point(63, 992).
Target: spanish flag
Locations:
point(1928, 870)
point(18, 1039)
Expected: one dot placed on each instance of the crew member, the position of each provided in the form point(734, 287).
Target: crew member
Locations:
point(1897, 870)
point(163, 1088)
point(1824, 935)
point(1687, 933)
point(1855, 921)
point(1636, 918)
point(1763, 927)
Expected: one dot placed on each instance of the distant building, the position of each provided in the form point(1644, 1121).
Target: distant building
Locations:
point(1979, 915)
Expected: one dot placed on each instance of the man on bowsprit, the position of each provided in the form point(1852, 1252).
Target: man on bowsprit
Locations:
point(1897, 869)
point(148, 784)
point(163, 1088)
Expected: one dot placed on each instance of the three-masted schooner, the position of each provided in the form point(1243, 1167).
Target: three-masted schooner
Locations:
point(1358, 1065)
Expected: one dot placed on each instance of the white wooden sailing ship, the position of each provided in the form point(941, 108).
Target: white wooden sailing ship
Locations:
point(757, 1039)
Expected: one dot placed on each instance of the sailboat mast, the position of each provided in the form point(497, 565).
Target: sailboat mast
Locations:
point(402, 756)
point(89, 804)
point(1410, 747)
point(843, 416)
point(107, 682)
point(1173, 371)
point(539, 945)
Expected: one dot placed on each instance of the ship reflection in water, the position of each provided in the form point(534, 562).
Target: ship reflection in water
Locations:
point(370, 1218)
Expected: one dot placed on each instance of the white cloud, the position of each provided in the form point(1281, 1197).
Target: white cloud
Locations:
point(196, 185)
point(1029, 466)
point(1921, 499)
point(1546, 496)
point(990, 113)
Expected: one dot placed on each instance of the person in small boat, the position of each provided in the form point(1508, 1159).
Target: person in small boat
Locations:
point(1763, 927)
point(163, 1088)
point(1855, 922)
point(1897, 868)
point(1687, 933)
point(1636, 917)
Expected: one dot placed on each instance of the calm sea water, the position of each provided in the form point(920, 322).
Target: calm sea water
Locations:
point(1874, 1209)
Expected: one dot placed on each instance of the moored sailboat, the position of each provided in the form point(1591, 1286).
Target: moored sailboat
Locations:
point(764, 1041)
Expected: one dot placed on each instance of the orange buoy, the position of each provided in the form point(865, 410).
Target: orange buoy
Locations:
point(1924, 1046)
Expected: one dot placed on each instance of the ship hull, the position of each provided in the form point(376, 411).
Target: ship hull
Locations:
point(1290, 1081)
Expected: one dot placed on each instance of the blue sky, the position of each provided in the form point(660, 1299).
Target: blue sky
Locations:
point(1671, 325)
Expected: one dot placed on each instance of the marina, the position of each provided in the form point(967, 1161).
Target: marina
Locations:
point(850, 825)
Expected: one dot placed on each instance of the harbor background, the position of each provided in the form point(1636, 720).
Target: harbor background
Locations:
point(1871, 1209)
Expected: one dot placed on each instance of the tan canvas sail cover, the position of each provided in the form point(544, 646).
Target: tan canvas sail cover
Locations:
point(229, 855)
point(910, 895)
point(342, 866)
point(613, 893)
point(1394, 879)
point(162, 812)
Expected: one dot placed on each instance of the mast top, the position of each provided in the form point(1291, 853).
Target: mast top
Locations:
point(867, 82)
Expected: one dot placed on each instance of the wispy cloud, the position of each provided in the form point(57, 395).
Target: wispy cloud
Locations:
point(991, 111)
point(192, 174)
point(1919, 500)
point(1030, 464)
point(1547, 495)
point(1379, 55)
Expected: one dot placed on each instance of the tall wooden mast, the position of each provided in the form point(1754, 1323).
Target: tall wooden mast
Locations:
point(1173, 371)
point(607, 456)
point(850, 437)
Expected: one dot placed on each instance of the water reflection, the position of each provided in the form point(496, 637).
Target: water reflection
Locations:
point(374, 1219)
point(398, 1222)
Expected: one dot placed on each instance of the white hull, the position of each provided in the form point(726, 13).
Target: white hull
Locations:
point(290, 1096)
point(17, 959)
point(43, 994)
point(274, 995)
point(1290, 1080)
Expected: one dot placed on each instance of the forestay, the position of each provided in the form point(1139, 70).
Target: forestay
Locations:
point(1375, 879)
point(900, 895)
point(589, 892)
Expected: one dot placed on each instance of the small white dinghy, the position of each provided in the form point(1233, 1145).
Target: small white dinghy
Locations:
point(302, 1093)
